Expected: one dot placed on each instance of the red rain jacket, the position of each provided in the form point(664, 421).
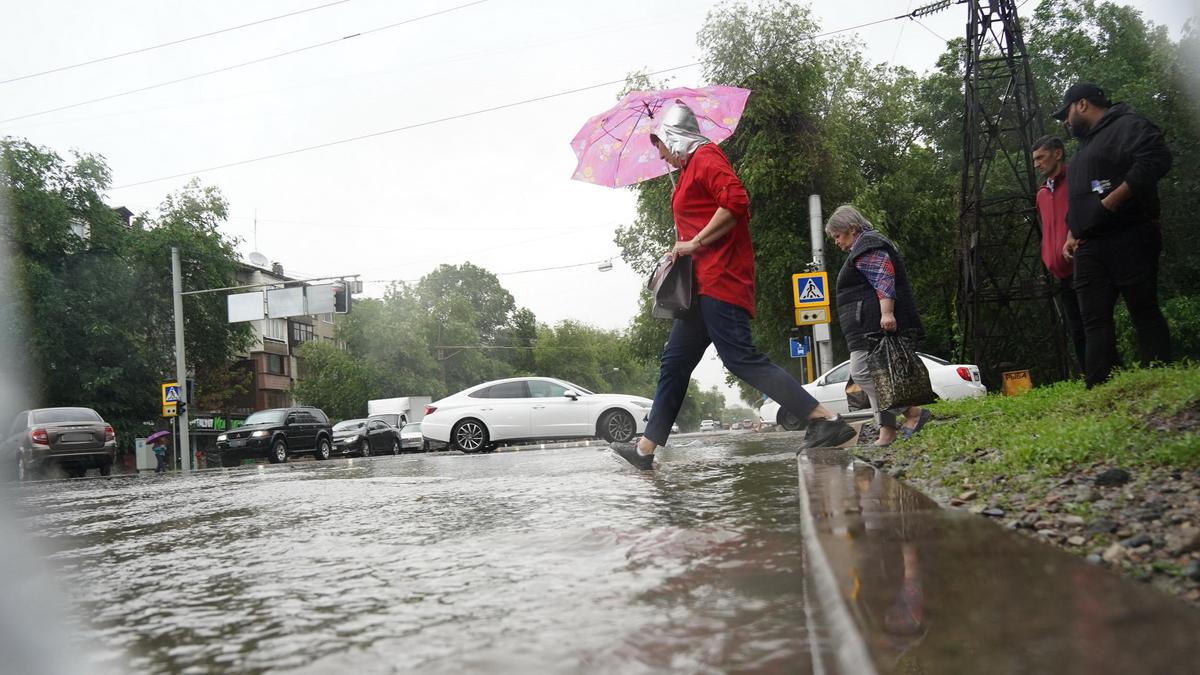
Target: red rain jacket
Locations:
point(724, 267)
point(1052, 210)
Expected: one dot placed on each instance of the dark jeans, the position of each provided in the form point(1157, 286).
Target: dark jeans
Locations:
point(728, 327)
point(162, 463)
point(1122, 263)
point(1069, 307)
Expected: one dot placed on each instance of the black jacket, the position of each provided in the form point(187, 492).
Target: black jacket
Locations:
point(857, 304)
point(1123, 147)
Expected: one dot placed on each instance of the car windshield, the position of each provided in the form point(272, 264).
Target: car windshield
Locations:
point(582, 390)
point(56, 415)
point(266, 417)
point(346, 425)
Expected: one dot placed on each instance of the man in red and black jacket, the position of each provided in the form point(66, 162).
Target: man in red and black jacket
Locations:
point(1049, 158)
point(1113, 214)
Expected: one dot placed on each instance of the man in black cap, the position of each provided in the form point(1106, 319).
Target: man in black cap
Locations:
point(1113, 214)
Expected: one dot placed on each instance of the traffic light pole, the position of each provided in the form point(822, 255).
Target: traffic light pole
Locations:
point(185, 445)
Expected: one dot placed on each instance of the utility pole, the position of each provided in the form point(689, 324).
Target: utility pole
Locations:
point(1004, 301)
point(185, 446)
point(822, 338)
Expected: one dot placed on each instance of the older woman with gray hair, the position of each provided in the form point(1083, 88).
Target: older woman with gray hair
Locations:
point(873, 295)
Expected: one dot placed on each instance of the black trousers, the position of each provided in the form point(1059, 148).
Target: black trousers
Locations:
point(1123, 263)
point(1068, 305)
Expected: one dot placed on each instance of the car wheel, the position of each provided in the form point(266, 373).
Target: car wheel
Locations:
point(364, 448)
point(323, 449)
point(789, 421)
point(617, 426)
point(105, 468)
point(424, 445)
point(278, 453)
point(469, 435)
point(395, 447)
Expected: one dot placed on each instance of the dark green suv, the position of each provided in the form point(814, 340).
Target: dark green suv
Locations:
point(277, 434)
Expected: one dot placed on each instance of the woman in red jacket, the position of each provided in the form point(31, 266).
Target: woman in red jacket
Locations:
point(712, 224)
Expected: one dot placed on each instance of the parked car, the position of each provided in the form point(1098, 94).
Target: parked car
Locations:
point(412, 438)
point(949, 381)
point(277, 434)
point(365, 437)
point(531, 408)
point(75, 439)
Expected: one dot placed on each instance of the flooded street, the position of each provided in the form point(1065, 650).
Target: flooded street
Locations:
point(549, 561)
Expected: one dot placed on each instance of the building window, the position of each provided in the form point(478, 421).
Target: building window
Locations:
point(275, 365)
point(327, 318)
point(301, 333)
point(275, 329)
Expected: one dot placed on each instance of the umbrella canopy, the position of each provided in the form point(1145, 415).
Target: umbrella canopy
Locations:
point(614, 147)
point(157, 435)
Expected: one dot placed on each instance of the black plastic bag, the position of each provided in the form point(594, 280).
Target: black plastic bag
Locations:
point(672, 287)
point(901, 379)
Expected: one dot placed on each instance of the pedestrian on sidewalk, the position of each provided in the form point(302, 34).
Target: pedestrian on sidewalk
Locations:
point(1115, 235)
point(1049, 158)
point(873, 295)
point(712, 224)
point(160, 454)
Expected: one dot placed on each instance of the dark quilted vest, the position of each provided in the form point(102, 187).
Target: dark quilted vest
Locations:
point(858, 306)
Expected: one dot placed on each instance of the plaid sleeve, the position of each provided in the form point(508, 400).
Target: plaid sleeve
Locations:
point(877, 267)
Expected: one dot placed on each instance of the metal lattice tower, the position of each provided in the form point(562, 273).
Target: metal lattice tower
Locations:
point(1005, 307)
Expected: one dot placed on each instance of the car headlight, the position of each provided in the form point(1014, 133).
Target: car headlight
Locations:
point(222, 437)
point(259, 434)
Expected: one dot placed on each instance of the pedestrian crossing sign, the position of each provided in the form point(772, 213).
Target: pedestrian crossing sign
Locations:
point(810, 289)
point(170, 393)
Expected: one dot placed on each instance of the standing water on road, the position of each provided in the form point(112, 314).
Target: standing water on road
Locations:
point(549, 561)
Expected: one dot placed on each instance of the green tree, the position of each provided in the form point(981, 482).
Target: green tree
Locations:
point(333, 380)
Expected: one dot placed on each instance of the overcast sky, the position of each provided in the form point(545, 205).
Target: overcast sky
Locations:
point(493, 189)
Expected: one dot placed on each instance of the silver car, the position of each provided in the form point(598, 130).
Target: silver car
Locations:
point(76, 439)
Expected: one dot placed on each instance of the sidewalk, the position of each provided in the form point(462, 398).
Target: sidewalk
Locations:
point(925, 589)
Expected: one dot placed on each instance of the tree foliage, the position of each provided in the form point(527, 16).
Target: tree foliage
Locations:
point(97, 290)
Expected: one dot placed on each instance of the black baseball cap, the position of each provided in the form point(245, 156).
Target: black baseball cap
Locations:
point(1078, 91)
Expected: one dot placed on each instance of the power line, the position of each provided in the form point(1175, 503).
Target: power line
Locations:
point(499, 274)
point(408, 127)
point(59, 69)
point(464, 115)
point(239, 65)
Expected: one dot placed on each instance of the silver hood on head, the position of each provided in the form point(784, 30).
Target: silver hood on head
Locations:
point(680, 132)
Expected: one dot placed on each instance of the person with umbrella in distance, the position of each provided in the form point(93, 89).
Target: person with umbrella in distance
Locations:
point(157, 441)
point(712, 224)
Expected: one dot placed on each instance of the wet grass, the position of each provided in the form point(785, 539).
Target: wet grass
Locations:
point(1140, 418)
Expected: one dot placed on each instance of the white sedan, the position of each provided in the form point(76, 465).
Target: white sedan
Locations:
point(528, 409)
point(949, 381)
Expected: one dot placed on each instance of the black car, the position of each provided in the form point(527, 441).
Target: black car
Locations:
point(76, 439)
point(365, 437)
point(277, 434)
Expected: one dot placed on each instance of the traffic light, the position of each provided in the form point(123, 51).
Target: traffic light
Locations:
point(180, 408)
point(341, 297)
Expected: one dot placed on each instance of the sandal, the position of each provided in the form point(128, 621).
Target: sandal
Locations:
point(908, 432)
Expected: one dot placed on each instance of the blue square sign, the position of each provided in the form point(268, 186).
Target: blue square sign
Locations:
point(799, 347)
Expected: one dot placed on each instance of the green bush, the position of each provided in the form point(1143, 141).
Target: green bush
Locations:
point(1183, 316)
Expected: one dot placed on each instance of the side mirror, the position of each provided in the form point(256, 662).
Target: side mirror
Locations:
point(571, 394)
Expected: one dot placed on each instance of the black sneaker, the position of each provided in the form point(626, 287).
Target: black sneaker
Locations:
point(825, 433)
point(629, 453)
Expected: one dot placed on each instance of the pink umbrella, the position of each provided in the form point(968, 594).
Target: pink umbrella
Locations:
point(614, 147)
point(157, 435)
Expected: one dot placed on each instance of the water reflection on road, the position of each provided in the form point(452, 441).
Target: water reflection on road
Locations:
point(558, 560)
